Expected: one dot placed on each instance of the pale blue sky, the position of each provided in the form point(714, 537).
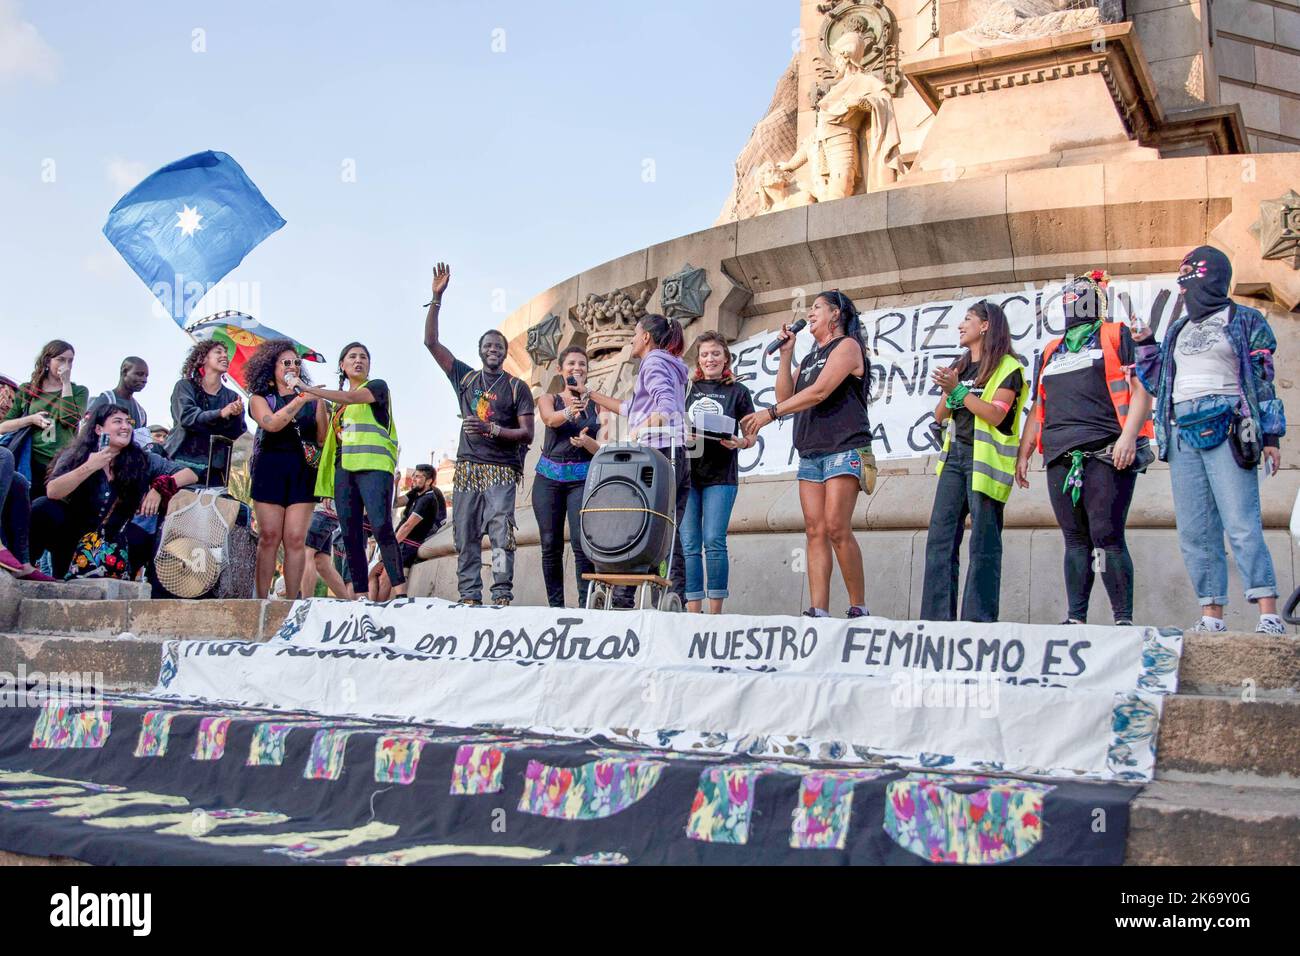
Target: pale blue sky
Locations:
point(520, 168)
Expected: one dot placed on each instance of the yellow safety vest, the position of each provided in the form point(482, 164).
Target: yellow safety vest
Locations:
point(366, 444)
point(994, 451)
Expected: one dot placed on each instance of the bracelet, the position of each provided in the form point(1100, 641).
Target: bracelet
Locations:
point(958, 397)
point(773, 412)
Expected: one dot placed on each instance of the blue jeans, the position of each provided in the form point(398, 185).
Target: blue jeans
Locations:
point(704, 528)
point(1212, 494)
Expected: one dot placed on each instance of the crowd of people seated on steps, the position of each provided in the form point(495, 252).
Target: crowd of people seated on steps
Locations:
point(85, 480)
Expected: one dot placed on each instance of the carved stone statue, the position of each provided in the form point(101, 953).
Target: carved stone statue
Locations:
point(855, 138)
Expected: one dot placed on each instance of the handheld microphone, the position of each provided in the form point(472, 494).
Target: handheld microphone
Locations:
point(292, 381)
point(795, 327)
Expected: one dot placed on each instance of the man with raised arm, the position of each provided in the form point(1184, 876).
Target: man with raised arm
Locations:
point(497, 413)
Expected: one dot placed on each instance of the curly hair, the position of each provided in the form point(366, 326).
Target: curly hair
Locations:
point(259, 370)
point(196, 358)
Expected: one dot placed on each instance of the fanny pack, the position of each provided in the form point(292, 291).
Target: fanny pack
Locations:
point(867, 470)
point(1205, 428)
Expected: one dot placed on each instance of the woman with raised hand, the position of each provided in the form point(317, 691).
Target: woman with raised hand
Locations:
point(97, 485)
point(357, 465)
point(1091, 424)
point(1217, 418)
point(204, 407)
point(51, 405)
point(715, 472)
point(291, 429)
point(572, 424)
point(828, 396)
point(984, 393)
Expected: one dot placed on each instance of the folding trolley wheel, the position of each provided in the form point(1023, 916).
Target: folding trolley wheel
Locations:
point(652, 592)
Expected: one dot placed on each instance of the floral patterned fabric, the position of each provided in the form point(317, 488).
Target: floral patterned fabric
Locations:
point(155, 732)
point(325, 762)
point(825, 807)
point(60, 727)
point(211, 742)
point(589, 792)
point(1000, 821)
point(723, 804)
point(396, 759)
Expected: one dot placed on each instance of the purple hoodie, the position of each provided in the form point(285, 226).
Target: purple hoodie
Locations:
point(660, 387)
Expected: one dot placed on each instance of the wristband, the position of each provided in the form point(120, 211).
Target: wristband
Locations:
point(165, 485)
point(495, 430)
point(776, 416)
point(958, 397)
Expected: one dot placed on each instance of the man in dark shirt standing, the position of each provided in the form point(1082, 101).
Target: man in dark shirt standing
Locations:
point(497, 411)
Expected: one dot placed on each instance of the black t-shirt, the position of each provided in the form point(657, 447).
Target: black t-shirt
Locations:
point(964, 419)
point(840, 422)
point(1079, 412)
point(98, 505)
point(489, 397)
point(291, 437)
point(716, 465)
point(431, 506)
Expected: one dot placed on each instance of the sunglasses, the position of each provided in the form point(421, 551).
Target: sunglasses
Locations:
point(291, 363)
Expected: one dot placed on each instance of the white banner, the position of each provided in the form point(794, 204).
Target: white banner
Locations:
point(1019, 698)
point(910, 342)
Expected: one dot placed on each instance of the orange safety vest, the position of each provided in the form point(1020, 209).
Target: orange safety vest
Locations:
point(1117, 381)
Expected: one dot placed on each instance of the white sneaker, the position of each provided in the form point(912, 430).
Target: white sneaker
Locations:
point(1212, 625)
point(1270, 624)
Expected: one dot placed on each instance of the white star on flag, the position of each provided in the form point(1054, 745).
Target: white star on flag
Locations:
point(188, 221)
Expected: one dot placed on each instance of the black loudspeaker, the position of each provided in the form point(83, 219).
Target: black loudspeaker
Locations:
point(627, 506)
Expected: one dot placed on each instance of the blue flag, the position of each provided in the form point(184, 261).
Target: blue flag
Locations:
point(186, 226)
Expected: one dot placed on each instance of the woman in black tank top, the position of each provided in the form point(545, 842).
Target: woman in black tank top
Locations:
point(572, 424)
point(832, 432)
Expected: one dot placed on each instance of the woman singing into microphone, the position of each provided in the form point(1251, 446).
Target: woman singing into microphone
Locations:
point(291, 428)
point(832, 432)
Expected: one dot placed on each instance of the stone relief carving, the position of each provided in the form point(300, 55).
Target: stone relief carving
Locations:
point(1278, 228)
point(1003, 20)
point(684, 294)
point(544, 340)
point(610, 320)
point(876, 24)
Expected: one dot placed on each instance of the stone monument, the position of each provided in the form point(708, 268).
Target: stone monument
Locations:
point(918, 156)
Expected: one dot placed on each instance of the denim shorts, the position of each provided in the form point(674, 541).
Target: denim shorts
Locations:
point(820, 468)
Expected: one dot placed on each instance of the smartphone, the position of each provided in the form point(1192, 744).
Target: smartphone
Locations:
point(571, 382)
point(103, 441)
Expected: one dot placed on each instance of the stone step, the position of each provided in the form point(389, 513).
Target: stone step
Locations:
point(1214, 824)
point(92, 590)
point(1205, 733)
point(196, 620)
point(1235, 662)
point(121, 664)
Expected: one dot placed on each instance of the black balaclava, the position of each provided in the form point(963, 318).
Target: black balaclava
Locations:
point(1205, 288)
point(1088, 305)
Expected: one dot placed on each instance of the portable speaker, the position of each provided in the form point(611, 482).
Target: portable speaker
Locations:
point(627, 504)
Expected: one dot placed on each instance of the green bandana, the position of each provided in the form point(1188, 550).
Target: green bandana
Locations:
point(1074, 477)
point(1075, 337)
point(957, 397)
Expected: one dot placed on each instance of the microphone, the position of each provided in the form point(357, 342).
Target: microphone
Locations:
point(292, 381)
point(795, 327)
